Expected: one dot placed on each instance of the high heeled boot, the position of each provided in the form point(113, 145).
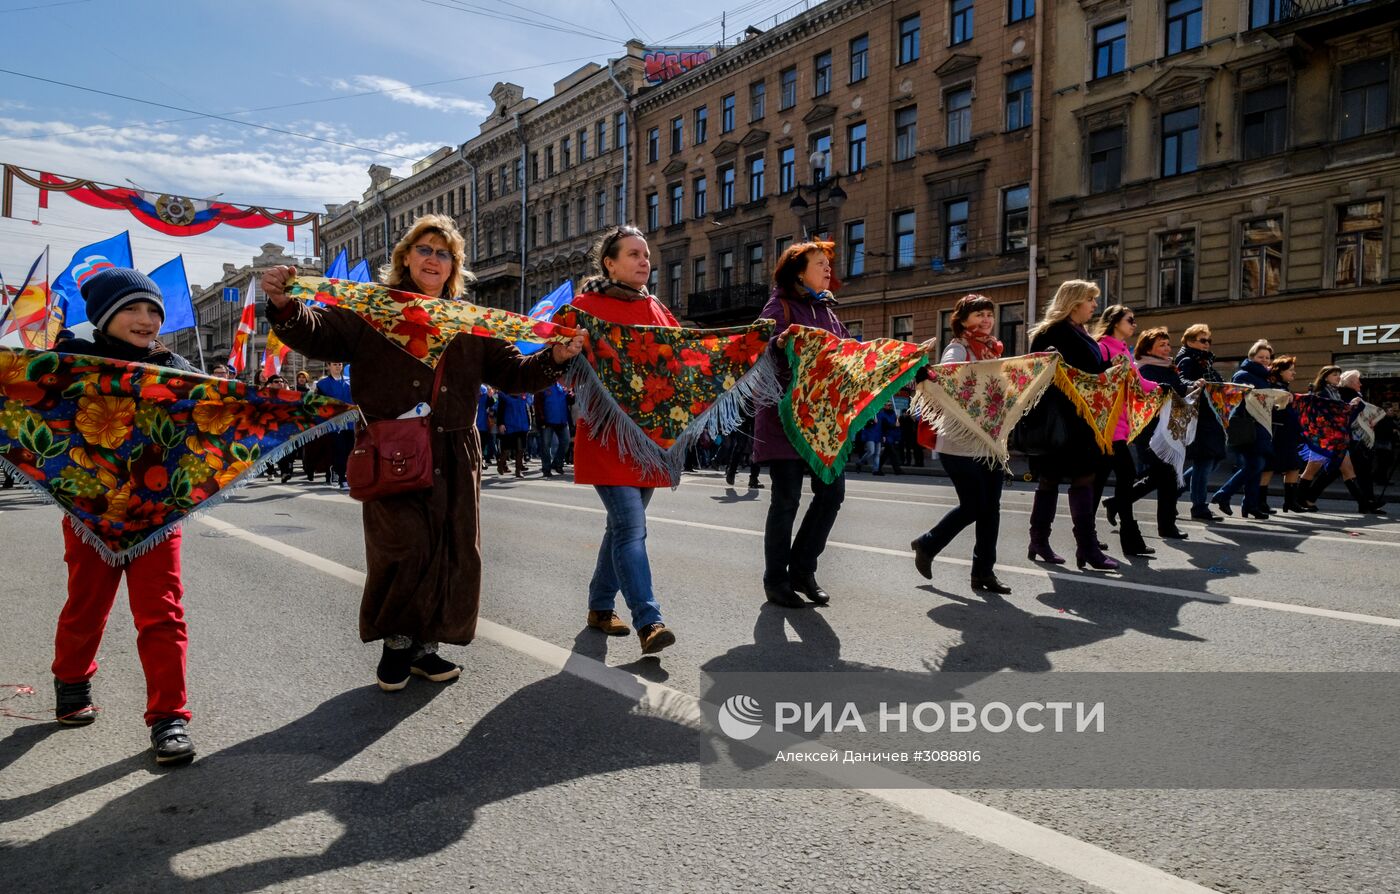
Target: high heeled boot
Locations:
point(1042, 515)
point(1086, 538)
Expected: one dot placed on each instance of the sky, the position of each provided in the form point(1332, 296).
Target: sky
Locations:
point(372, 81)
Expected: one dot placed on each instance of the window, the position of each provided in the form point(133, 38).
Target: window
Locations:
point(782, 244)
point(856, 328)
point(756, 272)
point(1019, 10)
point(582, 212)
point(821, 74)
point(1261, 257)
point(726, 187)
point(620, 217)
point(620, 130)
point(534, 166)
point(756, 189)
point(548, 226)
point(653, 212)
point(673, 276)
point(855, 147)
point(726, 268)
point(821, 143)
point(955, 229)
point(960, 21)
point(1015, 218)
point(1183, 25)
point(860, 55)
point(602, 131)
point(700, 187)
point(1180, 134)
point(699, 278)
point(677, 134)
point(653, 144)
point(906, 126)
point(1011, 325)
point(1365, 97)
point(582, 145)
point(1176, 268)
point(490, 187)
point(726, 114)
point(787, 169)
point(1265, 121)
point(564, 220)
point(652, 280)
point(600, 211)
point(1110, 45)
point(902, 328)
point(1105, 159)
point(702, 124)
point(855, 248)
point(1018, 99)
point(908, 40)
point(519, 181)
point(959, 116)
point(1103, 269)
point(787, 88)
point(758, 91)
point(1266, 12)
point(1359, 229)
point(564, 154)
point(903, 240)
point(677, 194)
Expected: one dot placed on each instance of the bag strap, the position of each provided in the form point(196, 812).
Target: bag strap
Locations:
point(437, 379)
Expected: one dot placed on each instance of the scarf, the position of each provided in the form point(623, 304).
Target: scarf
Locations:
point(1224, 398)
point(601, 285)
point(1363, 428)
point(1097, 397)
point(838, 385)
point(655, 390)
point(423, 326)
point(989, 348)
point(1176, 428)
point(982, 400)
point(127, 451)
point(1260, 403)
point(1325, 423)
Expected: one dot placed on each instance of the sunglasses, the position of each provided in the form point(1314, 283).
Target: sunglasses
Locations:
point(427, 251)
point(1204, 341)
point(1132, 320)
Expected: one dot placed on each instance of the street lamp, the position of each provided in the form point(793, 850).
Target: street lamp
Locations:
point(830, 186)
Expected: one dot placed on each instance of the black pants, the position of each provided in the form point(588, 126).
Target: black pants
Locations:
point(1123, 468)
point(741, 453)
point(782, 553)
point(979, 503)
point(342, 442)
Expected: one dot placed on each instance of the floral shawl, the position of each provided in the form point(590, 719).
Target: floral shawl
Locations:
point(1140, 405)
point(1325, 423)
point(420, 325)
point(655, 390)
point(837, 386)
point(981, 401)
point(1363, 428)
point(1098, 397)
point(1223, 398)
point(1260, 403)
point(129, 450)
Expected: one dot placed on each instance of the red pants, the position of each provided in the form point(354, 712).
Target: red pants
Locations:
point(153, 585)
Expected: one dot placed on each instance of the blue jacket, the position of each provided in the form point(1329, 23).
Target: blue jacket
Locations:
point(338, 389)
point(554, 409)
point(483, 409)
point(512, 412)
point(889, 425)
point(1253, 373)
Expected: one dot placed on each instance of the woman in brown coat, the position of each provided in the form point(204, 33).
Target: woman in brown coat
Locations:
point(422, 549)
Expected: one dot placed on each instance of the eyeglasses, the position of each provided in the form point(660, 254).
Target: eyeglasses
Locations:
point(1204, 341)
point(427, 251)
point(1132, 320)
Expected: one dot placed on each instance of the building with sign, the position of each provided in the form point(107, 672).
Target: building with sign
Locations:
point(1236, 164)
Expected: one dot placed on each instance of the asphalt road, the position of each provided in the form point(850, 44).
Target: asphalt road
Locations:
point(542, 770)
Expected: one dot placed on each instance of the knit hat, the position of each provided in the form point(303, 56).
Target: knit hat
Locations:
point(108, 291)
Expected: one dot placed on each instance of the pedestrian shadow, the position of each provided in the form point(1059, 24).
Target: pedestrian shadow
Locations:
point(593, 644)
point(417, 811)
point(22, 739)
point(732, 495)
point(998, 635)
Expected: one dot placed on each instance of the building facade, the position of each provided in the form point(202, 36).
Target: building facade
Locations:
point(922, 114)
point(1234, 163)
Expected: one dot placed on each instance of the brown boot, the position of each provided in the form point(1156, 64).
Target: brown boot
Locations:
point(609, 623)
point(655, 637)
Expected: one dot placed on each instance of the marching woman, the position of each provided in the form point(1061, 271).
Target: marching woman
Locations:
point(1115, 329)
point(1154, 359)
point(1079, 459)
point(618, 294)
point(801, 283)
point(1287, 435)
point(1327, 384)
point(978, 484)
point(1250, 442)
point(1196, 363)
point(422, 548)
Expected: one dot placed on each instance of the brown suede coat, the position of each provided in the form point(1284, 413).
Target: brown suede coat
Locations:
point(422, 550)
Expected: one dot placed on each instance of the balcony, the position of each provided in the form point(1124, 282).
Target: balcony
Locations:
point(502, 264)
point(1321, 19)
point(731, 305)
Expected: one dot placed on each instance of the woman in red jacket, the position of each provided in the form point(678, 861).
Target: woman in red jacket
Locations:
point(618, 294)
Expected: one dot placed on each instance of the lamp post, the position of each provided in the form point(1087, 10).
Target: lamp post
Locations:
point(826, 185)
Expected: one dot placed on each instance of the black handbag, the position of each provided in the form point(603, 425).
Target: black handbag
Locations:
point(1042, 431)
point(1241, 434)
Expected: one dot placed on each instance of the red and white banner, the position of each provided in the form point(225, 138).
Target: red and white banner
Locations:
point(243, 336)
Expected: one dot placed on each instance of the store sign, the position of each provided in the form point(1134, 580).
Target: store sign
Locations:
point(1378, 334)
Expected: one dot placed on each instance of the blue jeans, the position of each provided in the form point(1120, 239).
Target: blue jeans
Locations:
point(1200, 484)
point(622, 557)
point(1249, 465)
point(556, 445)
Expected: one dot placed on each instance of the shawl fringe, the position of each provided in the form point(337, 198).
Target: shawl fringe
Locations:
point(950, 418)
point(1104, 439)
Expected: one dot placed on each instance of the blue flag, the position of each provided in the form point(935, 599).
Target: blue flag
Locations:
point(175, 291)
point(67, 297)
point(545, 310)
point(337, 268)
point(360, 272)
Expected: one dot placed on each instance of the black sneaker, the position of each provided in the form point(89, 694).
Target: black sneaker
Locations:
point(434, 667)
point(394, 668)
point(171, 741)
point(73, 703)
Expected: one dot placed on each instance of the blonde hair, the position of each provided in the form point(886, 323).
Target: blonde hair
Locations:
point(1258, 346)
point(1070, 294)
point(1193, 332)
point(395, 273)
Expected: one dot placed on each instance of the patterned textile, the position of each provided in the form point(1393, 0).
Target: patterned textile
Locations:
point(1223, 398)
point(656, 390)
point(420, 325)
point(1326, 423)
point(1260, 403)
point(1140, 405)
point(1363, 428)
point(129, 450)
point(1176, 429)
point(1098, 397)
point(837, 386)
point(981, 401)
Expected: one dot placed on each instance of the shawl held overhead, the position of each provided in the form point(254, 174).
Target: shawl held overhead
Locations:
point(420, 325)
point(129, 450)
point(981, 401)
point(654, 390)
point(1176, 429)
point(1325, 422)
point(837, 386)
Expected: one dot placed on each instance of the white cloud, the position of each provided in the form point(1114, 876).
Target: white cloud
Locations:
point(402, 92)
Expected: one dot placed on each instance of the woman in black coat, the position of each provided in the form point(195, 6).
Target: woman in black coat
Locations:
point(1195, 363)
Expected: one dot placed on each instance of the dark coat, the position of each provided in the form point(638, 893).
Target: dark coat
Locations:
point(114, 349)
point(1194, 364)
point(422, 550)
point(1165, 375)
point(1081, 455)
point(1256, 375)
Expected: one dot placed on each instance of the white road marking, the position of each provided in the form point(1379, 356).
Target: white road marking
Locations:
point(1078, 859)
